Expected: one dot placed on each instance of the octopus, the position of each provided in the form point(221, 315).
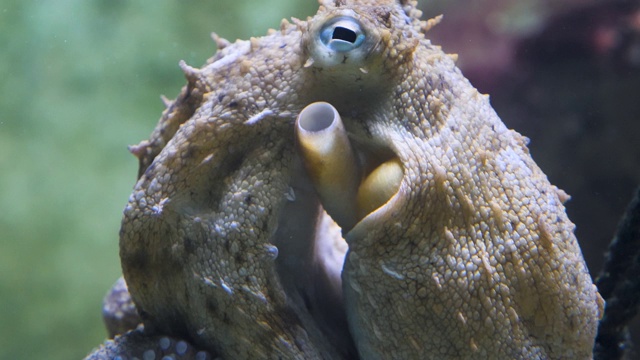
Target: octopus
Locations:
point(337, 189)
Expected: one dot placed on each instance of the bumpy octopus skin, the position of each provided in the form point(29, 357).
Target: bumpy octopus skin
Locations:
point(225, 242)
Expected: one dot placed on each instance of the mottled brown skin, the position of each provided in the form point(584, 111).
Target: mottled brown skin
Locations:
point(474, 257)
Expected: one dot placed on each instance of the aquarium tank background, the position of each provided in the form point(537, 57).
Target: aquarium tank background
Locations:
point(81, 80)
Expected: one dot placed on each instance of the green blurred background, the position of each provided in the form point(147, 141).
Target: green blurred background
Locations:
point(81, 80)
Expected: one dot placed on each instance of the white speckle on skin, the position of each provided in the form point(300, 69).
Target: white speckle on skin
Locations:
point(243, 48)
point(391, 273)
point(207, 159)
point(226, 287)
point(290, 194)
point(157, 209)
point(257, 294)
point(272, 251)
point(259, 116)
point(209, 282)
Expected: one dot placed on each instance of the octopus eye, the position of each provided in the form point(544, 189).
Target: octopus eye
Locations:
point(342, 34)
point(344, 41)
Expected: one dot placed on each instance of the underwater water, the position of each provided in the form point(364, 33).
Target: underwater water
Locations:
point(81, 80)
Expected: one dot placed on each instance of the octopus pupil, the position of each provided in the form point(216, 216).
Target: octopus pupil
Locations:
point(345, 34)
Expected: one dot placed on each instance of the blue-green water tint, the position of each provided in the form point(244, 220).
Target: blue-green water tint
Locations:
point(80, 81)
